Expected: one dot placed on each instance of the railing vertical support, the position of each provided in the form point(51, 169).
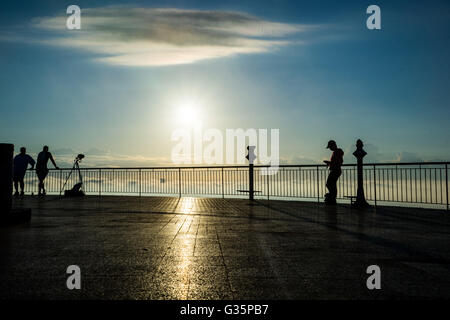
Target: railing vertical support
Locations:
point(375, 184)
point(446, 183)
point(251, 158)
point(179, 182)
point(60, 181)
point(140, 171)
point(100, 182)
point(317, 181)
point(359, 155)
point(251, 191)
point(223, 190)
point(268, 184)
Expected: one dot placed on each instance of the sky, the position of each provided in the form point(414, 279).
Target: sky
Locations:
point(137, 70)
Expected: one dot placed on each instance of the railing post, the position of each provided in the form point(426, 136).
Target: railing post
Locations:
point(268, 184)
point(375, 184)
point(60, 181)
point(250, 182)
point(251, 158)
point(100, 182)
point(317, 182)
point(359, 155)
point(179, 182)
point(223, 191)
point(139, 182)
point(446, 184)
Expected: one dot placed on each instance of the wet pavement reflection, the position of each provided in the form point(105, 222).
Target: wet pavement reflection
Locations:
point(200, 248)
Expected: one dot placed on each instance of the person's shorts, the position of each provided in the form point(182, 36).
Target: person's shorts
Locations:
point(42, 174)
point(18, 176)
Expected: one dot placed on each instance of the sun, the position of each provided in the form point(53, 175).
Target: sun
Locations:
point(188, 113)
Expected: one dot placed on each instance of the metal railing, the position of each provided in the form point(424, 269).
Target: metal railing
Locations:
point(413, 183)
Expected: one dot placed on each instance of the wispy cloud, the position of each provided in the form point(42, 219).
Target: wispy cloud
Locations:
point(95, 157)
point(160, 37)
point(405, 156)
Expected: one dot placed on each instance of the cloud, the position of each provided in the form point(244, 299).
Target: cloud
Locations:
point(161, 37)
point(118, 160)
point(408, 157)
point(96, 157)
point(63, 151)
point(301, 160)
point(373, 154)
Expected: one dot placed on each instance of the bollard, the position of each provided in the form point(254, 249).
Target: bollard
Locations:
point(6, 177)
point(8, 215)
point(360, 154)
point(251, 158)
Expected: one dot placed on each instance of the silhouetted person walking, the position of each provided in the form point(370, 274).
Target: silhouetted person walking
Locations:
point(21, 162)
point(41, 167)
point(334, 164)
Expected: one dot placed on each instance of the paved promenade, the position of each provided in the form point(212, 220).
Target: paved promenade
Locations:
point(197, 248)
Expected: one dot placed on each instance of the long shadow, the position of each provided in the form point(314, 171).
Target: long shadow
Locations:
point(393, 213)
point(391, 244)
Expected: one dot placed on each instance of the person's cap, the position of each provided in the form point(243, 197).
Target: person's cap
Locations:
point(331, 143)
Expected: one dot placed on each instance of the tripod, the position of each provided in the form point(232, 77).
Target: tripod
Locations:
point(76, 166)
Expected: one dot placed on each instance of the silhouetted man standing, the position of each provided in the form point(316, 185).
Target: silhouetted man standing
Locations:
point(334, 164)
point(41, 167)
point(21, 162)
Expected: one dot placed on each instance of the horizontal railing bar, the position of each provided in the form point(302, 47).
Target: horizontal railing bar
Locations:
point(260, 166)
